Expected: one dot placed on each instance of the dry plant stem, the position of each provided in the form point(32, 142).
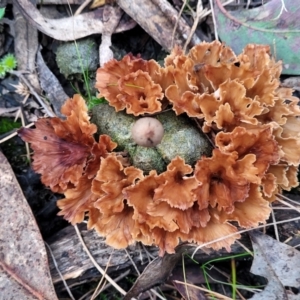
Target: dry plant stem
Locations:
point(117, 279)
point(102, 280)
point(33, 92)
point(133, 263)
point(195, 24)
point(289, 205)
point(204, 290)
point(240, 232)
point(287, 240)
point(240, 295)
point(275, 225)
point(118, 288)
point(184, 277)
point(20, 108)
point(214, 20)
point(244, 247)
point(149, 255)
point(58, 271)
point(3, 111)
point(208, 12)
point(14, 134)
point(177, 20)
point(82, 7)
point(26, 144)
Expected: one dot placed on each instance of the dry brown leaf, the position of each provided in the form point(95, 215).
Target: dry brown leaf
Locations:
point(24, 272)
point(279, 263)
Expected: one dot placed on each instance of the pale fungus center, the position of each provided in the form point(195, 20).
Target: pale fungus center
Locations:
point(147, 132)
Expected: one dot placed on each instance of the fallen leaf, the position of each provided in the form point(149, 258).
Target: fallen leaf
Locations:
point(24, 272)
point(279, 263)
point(268, 24)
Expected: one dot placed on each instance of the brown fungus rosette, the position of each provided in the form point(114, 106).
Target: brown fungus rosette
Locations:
point(251, 123)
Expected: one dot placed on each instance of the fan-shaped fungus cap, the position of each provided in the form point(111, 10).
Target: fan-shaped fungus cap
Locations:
point(147, 132)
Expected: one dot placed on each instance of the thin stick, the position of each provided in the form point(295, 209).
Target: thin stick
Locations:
point(58, 271)
point(124, 274)
point(14, 134)
point(287, 204)
point(195, 24)
point(82, 7)
point(245, 248)
point(110, 280)
point(275, 225)
point(202, 289)
point(26, 144)
point(214, 20)
point(98, 289)
point(177, 21)
point(20, 108)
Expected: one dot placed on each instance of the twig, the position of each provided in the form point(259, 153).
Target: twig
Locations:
point(177, 21)
point(287, 204)
point(58, 271)
point(202, 289)
point(14, 134)
point(199, 13)
point(26, 144)
point(275, 225)
point(244, 247)
point(117, 287)
point(214, 20)
point(20, 109)
point(81, 7)
point(98, 289)
point(124, 274)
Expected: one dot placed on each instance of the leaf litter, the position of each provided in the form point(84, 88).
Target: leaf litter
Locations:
point(279, 263)
point(23, 259)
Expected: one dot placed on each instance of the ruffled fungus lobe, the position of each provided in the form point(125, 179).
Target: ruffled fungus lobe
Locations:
point(129, 84)
point(176, 188)
point(147, 132)
point(253, 125)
